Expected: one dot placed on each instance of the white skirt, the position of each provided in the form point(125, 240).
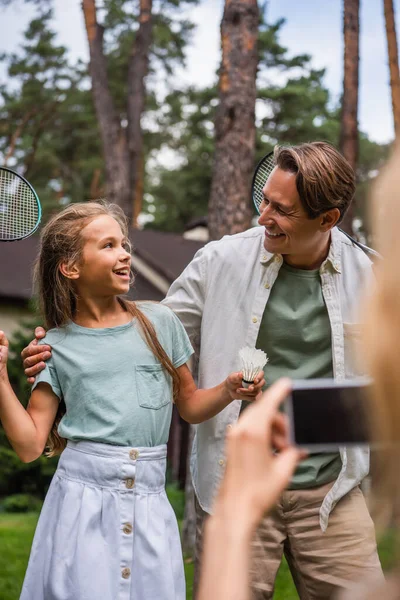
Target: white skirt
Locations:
point(107, 530)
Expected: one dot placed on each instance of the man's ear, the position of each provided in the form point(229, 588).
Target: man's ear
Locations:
point(329, 219)
point(69, 270)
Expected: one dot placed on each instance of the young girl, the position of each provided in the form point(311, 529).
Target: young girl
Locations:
point(107, 530)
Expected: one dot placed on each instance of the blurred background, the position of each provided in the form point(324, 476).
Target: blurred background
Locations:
point(165, 107)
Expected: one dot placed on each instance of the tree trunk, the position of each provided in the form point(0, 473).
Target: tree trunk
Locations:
point(138, 69)
point(17, 134)
point(230, 208)
point(393, 63)
point(113, 137)
point(138, 191)
point(349, 123)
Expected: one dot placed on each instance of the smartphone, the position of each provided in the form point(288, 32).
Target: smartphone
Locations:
point(325, 414)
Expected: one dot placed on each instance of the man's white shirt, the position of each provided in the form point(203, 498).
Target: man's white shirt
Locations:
point(220, 298)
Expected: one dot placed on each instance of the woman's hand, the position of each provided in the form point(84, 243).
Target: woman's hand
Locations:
point(3, 354)
point(235, 390)
point(259, 459)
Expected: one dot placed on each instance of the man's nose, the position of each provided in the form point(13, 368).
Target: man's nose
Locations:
point(265, 216)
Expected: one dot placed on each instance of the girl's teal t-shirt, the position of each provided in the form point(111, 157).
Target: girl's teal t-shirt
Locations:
point(114, 388)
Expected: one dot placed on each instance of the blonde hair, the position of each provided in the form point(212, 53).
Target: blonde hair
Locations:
point(62, 242)
point(382, 339)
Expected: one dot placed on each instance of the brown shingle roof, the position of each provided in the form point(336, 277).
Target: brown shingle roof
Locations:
point(167, 253)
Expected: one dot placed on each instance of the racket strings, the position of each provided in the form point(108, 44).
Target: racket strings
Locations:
point(19, 208)
point(264, 170)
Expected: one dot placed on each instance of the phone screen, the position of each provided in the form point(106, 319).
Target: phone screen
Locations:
point(329, 414)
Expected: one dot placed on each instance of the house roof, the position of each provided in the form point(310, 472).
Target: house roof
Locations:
point(166, 253)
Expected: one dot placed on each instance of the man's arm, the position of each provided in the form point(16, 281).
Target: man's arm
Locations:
point(35, 355)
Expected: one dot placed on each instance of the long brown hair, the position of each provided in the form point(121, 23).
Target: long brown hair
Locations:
point(62, 242)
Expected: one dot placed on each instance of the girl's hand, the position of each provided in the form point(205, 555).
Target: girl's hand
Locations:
point(255, 474)
point(237, 392)
point(3, 354)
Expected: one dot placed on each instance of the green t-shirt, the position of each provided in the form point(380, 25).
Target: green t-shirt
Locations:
point(114, 388)
point(295, 333)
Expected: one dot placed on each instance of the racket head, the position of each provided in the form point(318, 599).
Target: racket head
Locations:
point(20, 210)
point(261, 174)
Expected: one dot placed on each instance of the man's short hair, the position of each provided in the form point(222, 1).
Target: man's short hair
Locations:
point(324, 178)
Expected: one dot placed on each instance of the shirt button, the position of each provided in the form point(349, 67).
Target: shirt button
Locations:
point(229, 426)
point(221, 462)
point(254, 319)
point(133, 454)
point(264, 257)
point(127, 528)
point(267, 286)
point(126, 573)
point(129, 483)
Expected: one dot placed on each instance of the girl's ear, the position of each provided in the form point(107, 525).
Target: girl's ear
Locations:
point(69, 270)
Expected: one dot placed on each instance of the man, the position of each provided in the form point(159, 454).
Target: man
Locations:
point(292, 288)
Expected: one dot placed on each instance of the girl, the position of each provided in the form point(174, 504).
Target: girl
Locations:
point(107, 530)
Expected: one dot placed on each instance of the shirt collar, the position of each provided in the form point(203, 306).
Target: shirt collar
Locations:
point(334, 256)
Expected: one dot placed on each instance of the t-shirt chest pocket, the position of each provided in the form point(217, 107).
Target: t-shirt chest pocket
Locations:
point(152, 386)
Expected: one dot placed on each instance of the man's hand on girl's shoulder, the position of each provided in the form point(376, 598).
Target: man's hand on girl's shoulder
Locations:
point(34, 355)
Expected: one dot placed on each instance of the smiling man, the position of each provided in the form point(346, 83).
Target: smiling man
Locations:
point(292, 288)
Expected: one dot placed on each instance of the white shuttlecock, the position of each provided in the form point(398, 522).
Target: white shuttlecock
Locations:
point(252, 362)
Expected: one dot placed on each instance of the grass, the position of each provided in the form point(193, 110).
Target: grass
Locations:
point(16, 533)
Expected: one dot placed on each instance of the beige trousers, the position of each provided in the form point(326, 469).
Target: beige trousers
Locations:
point(320, 563)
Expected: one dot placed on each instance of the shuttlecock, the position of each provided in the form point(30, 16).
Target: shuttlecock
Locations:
point(252, 362)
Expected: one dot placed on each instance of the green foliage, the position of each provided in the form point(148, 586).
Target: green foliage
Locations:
point(20, 503)
point(176, 196)
point(46, 108)
point(48, 128)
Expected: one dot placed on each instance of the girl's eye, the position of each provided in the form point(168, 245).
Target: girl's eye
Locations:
point(108, 245)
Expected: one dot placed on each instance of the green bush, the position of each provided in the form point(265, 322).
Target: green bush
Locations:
point(20, 503)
